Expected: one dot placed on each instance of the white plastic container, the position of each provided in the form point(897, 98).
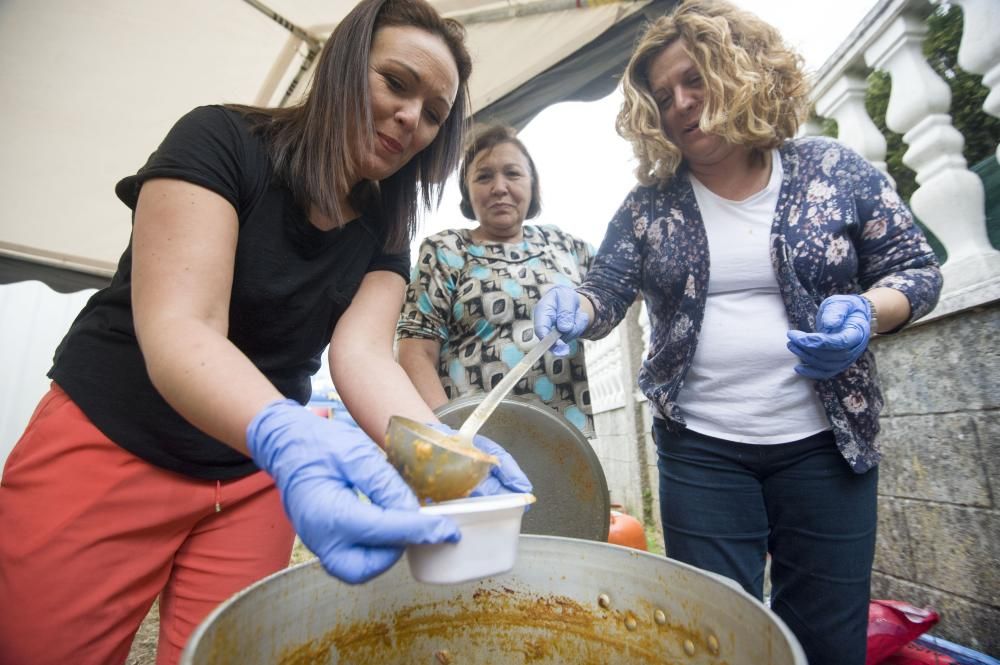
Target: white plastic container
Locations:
point(490, 525)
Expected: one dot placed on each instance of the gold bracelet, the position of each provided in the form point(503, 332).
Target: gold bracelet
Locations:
point(872, 314)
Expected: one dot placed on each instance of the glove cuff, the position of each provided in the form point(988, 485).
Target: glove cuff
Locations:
point(259, 430)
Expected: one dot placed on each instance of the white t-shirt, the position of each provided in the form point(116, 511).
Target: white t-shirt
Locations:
point(742, 385)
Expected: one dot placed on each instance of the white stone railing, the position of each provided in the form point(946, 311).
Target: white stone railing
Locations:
point(950, 199)
point(613, 363)
point(606, 373)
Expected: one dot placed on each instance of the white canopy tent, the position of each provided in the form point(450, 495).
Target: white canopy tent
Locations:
point(92, 88)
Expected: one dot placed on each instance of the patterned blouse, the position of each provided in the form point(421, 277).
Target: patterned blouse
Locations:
point(477, 301)
point(839, 227)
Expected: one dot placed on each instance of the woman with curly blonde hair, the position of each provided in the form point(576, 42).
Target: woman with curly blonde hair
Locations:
point(766, 262)
point(756, 94)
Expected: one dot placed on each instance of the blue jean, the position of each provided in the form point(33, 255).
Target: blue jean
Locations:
point(726, 505)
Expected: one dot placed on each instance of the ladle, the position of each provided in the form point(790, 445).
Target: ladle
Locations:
point(441, 467)
point(495, 396)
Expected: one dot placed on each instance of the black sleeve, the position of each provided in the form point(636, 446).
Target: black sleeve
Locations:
point(398, 263)
point(205, 147)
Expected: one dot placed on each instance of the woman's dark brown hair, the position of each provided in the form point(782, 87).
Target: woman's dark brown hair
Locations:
point(486, 138)
point(317, 144)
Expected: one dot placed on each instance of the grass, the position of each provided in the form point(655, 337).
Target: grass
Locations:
point(654, 541)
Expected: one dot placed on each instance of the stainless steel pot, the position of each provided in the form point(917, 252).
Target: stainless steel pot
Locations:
point(565, 601)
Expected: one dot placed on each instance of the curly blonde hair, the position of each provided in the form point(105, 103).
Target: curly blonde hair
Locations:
point(756, 92)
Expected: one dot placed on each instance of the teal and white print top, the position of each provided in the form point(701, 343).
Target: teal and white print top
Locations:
point(477, 299)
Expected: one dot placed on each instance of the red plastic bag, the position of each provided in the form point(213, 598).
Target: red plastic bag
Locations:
point(893, 624)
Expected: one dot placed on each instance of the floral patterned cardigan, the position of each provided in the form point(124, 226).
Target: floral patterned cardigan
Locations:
point(839, 227)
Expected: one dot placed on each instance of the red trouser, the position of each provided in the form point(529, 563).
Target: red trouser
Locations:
point(90, 535)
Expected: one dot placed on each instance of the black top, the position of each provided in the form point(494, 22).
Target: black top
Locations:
point(291, 284)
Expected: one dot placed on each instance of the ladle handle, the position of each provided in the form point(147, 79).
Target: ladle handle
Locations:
point(494, 397)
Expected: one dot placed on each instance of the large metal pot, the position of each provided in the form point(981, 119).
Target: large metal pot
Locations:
point(565, 601)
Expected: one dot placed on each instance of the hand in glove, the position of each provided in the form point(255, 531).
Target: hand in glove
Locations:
point(505, 478)
point(317, 465)
point(560, 308)
point(844, 328)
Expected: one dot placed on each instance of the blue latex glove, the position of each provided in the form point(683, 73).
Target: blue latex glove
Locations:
point(506, 478)
point(317, 465)
point(844, 328)
point(560, 307)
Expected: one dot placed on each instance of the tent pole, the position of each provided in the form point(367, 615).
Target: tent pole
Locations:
point(502, 11)
point(313, 44)
point(303, 34)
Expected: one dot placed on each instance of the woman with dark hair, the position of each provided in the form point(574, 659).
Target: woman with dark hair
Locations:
point(766, 263)
point(467, 318)
point(173, 457)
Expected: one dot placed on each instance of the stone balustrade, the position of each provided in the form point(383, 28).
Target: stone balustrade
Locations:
point(950, 199)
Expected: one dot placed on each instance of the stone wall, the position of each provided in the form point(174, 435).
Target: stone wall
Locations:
point(939, 483)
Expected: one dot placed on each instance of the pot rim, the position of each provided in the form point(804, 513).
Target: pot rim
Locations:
point(539, 545)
